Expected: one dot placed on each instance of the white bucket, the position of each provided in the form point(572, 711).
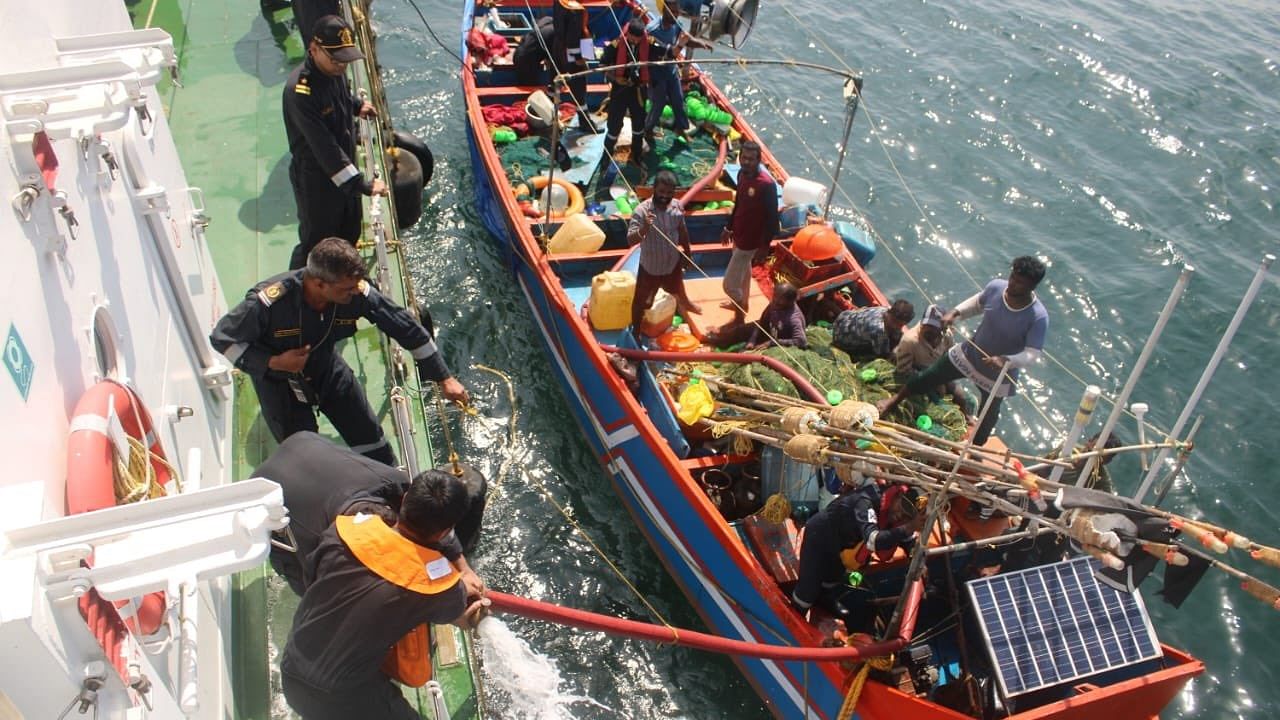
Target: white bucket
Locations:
point(540, 110)
point(798, 191)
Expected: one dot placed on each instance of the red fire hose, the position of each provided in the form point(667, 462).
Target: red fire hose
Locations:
point(803, 385)
point(707, 179)
point(538, 610)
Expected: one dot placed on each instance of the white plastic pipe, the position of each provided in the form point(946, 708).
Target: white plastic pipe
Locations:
point(1139, 411)
point(1207, 375)
point(1175, 295)
point(1083, 413)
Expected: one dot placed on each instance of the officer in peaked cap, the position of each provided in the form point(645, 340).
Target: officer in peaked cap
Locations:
point(319, 120)
point(283, 336)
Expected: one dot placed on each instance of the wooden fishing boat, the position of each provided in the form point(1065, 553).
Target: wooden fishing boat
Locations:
point(735, 569)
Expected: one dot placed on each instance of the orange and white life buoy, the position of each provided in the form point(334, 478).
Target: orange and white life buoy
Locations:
point(538, 182)
point(91, 477)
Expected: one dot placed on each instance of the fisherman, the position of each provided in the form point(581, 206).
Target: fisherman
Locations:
point(1013, 330)
point(664, 80)
point(321, 481)
point(532, 55)
point(872, 332)
point(657, 224)
point(627, 87)
point(283, 335)
point(843, 536)
point(1099, 479)
point(751, 227)
point(372, 586)
point(921, 346)
point(570, 50)
point(782, 322)
point(319, 120)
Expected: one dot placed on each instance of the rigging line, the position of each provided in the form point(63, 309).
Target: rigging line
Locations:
point(577, 528)
point(902, 181)
point(782, 116)
point(432, 33)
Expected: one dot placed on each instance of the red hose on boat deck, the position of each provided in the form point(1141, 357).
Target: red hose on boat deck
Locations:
point(538, 610)
point(707, 179)
point(786, 371)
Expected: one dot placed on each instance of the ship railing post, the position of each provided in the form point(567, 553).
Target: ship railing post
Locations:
point(1122, 400)
point(1249, 295)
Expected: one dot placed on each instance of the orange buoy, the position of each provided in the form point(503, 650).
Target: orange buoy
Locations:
point(91, 474)
point(817, 242)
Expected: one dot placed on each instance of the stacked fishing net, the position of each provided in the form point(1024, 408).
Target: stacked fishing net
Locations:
point(832, 371)
point(525, 158)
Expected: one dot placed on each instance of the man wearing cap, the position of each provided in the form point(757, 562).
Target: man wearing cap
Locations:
point(570, 50)
point(922, 344)
point(319, 120)
point(869, 333)
point(283, 335)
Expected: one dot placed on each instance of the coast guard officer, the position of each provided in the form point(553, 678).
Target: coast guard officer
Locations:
point(319, 120)
point(283, 335)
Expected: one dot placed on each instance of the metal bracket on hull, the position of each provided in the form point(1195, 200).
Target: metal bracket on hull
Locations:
point(149, 52)
point(137, 548)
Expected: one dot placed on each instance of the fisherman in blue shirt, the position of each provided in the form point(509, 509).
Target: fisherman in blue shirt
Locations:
point(1012, 333)
point(664, 80)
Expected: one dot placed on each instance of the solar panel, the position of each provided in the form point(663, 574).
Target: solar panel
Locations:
point(1055, 623)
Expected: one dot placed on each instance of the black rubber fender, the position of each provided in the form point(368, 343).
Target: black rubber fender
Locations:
point(409, 141)
point(468, 528)
point(406, 186)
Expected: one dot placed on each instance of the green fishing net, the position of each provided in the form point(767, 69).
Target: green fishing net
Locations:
point(830, 369)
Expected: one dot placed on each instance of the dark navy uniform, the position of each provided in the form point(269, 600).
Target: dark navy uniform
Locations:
point(322, 481)
point(274, 318)
point(319, 120)
point(628, 88)
point(850, 519)
point(570, 29)
point(345, 623)
point(532, 54)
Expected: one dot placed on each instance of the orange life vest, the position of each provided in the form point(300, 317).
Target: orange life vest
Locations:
point(401, 562)
point(622, 57)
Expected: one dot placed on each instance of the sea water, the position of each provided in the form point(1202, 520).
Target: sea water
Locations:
point(521, 683)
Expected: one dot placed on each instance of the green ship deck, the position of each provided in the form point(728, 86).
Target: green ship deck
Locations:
point(226, 120)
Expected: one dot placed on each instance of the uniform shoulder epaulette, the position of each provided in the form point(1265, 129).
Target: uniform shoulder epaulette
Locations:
point(302, 87)
point(272, 293)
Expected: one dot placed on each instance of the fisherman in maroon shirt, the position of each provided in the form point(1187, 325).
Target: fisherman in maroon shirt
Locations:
point(751, 227)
